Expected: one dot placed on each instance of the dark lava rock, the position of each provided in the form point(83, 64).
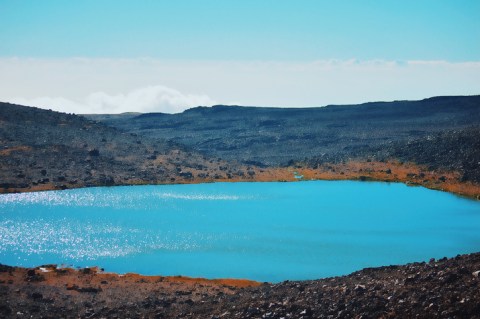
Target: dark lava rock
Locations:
point(36, 295)
point(94, 152)
point(5, 268)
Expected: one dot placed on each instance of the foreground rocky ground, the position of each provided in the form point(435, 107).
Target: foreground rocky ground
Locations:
point(445, 288)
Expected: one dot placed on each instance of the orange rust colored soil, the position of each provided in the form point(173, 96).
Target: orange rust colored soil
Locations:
point(7, 151)
point(391, 171)
point(73, 282)
point(81, 290)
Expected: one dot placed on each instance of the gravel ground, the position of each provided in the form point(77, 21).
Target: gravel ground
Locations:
point(445, 288)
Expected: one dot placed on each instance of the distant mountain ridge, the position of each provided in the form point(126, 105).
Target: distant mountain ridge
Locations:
point(277, 136)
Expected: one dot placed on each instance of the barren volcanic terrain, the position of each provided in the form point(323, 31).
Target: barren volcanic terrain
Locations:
point(434, 142)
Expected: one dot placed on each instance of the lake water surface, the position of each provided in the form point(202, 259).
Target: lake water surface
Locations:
point(260, 231)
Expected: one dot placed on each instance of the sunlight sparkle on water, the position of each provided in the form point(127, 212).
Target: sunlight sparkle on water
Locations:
point(262, 231)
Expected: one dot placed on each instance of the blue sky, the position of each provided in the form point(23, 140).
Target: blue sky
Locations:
point(240, 30)
point(227, 33)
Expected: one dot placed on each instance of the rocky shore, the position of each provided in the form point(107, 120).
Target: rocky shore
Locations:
point(445, 288)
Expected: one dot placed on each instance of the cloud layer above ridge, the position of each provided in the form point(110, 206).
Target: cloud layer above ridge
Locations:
point(99, 85)
point(157, 98)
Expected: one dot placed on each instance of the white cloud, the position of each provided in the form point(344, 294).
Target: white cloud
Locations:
point(84, 85)
point(156, 98)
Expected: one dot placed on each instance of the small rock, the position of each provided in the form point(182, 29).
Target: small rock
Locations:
point(94, 152)
point(71, 287)
point(359, 288)
point(36, 295)
point(306, 312)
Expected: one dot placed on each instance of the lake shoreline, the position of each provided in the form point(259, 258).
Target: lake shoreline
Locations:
point(447, 287)
point(439, 288)
point(393, 171)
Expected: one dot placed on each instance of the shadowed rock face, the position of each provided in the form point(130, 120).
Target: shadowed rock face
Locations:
point(278, 136)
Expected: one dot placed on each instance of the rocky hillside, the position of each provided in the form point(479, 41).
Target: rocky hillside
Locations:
point(452, 151)
point(42, 149)
point(457, 150)
point(279, 136)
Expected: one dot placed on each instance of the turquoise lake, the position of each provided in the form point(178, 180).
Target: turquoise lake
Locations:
point(260, 231)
